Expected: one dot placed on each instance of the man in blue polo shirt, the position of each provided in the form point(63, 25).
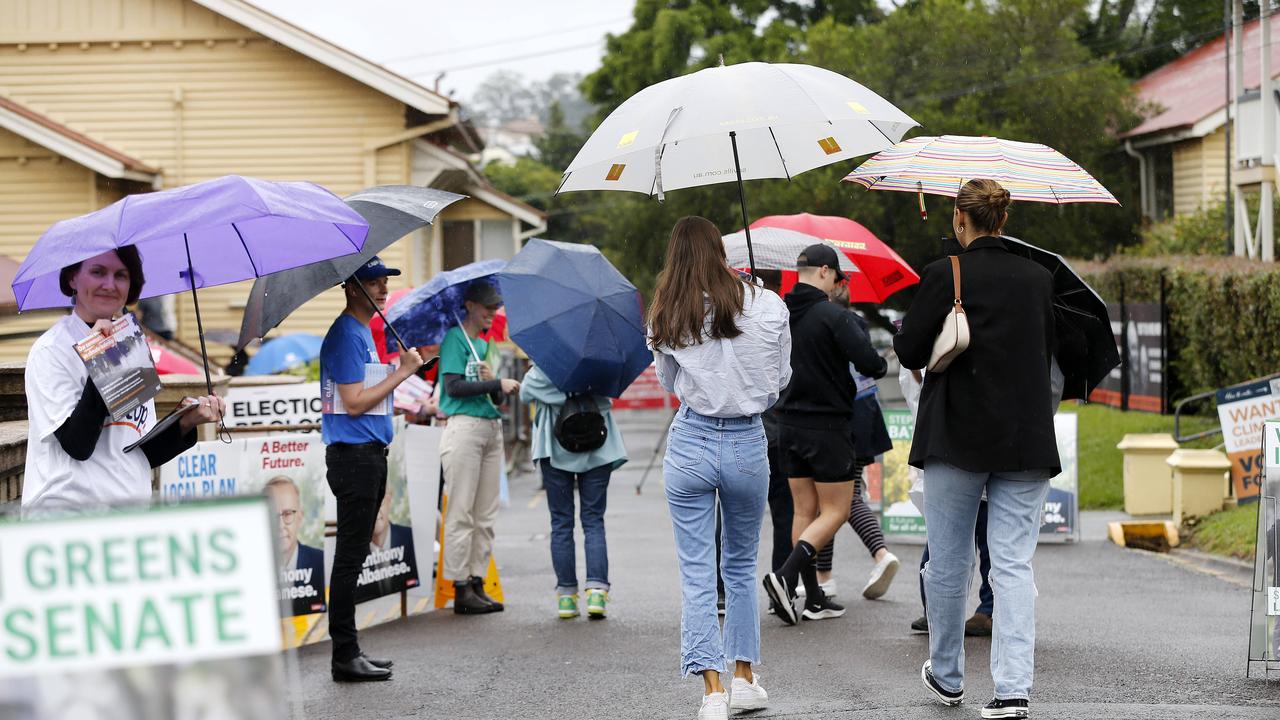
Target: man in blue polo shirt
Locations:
point(356, 425)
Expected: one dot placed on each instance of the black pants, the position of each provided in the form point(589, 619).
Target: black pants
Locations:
point(358, 478)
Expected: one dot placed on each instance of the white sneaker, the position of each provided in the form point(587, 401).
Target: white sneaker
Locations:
point(714, 707)
point(881, 577)
point(745, 695)
point(829, 587)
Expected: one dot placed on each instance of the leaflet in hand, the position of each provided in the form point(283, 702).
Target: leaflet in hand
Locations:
point(121, 366)
point(374, 373)
point(411, 394)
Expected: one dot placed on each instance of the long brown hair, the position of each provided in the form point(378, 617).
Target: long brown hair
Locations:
point(695, 270)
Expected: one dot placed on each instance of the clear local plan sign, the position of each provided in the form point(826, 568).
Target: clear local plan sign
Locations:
point(169, 585)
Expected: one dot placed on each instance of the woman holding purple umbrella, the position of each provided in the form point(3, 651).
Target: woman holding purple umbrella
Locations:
point(76, 457)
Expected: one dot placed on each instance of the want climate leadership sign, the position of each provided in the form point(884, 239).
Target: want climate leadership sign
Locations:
point(176, 584)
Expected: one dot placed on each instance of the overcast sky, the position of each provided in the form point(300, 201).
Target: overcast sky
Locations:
point(467, 39)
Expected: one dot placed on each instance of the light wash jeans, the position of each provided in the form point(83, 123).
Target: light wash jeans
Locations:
point(1015, 506)
point(709, 458)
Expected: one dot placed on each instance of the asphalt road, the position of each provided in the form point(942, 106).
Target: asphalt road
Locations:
point(1121, 634)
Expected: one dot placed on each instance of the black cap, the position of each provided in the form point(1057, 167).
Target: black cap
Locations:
point(819, 255)
point(483, 293)
point(373, 270)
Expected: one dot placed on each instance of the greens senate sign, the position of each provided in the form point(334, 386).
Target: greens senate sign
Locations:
point(138, 587)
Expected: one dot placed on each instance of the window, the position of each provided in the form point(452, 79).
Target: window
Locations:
point(496, 242)
point(1161, 158)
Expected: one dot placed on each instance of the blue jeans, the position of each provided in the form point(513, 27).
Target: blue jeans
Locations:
point(1015, 506)
point(710, 458)
point(593, 488)
point(986, 599)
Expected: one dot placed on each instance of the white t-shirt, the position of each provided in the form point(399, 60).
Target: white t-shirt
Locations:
point(55, 482)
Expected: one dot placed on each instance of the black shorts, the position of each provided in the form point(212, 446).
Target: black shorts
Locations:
point(827, 456)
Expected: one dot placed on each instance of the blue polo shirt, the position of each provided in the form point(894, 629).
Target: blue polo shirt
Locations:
point(347, 348)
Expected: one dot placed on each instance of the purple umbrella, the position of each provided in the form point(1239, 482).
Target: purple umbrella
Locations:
point(211, 233)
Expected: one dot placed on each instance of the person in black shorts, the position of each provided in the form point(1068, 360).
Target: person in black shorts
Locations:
point(814, 415)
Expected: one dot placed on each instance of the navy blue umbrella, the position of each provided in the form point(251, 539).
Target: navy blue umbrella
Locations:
point(576, 316)
point(424, 315)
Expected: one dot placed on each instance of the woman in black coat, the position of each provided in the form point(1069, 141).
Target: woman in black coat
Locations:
point(985, 424)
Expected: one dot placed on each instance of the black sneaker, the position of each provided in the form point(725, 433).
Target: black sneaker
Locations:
point(720, 605)
point(780, 594)
point(1016, 708)
point(921, 624)
point(946, 697)
point(823, 609)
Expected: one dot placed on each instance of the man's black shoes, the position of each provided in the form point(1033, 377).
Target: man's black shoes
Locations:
point(358, 669)
point(384, 663)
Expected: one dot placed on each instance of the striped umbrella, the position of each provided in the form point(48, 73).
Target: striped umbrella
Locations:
point(942, 165)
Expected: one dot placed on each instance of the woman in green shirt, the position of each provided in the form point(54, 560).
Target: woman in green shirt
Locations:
point(471, 450)
point(561, 470)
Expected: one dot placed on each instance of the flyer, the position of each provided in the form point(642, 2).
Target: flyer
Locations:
point(121, 366)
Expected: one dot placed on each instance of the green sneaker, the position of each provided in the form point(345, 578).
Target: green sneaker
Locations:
point(596, 600)
point(568, 606)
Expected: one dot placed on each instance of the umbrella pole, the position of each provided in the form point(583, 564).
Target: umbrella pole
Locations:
point(742, 202)
point(195, 299)
point(386, 323)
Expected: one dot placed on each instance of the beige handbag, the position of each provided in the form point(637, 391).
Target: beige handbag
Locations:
point(953, 339)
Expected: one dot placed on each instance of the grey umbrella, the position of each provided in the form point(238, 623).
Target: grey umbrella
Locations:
point(392, 211)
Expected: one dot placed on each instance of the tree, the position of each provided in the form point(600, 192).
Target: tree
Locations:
point(559, 143)
point(1144, 36)
point(1014, 69)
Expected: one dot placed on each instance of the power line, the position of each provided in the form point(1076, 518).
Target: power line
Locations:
point(497, 43)
point(510, 58)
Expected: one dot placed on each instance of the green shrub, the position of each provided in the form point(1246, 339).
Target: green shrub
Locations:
point(1222, 314)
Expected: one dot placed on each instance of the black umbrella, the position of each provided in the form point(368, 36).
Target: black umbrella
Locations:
point(392, 211)
point(1087, 349)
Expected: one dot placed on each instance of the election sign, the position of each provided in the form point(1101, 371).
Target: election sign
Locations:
point(1264, 629)
point(900, 517)
point(289, 471)
point(391, 565)
point(296, 404)
point(169, 585)
point(1243, 410)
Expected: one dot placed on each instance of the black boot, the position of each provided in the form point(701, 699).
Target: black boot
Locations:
point(358, 669)
point(466, 602)
point(383, 663)
point(477, 586)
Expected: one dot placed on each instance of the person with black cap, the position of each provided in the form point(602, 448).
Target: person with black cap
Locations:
point(356, 391)
point(471, 450)
point(814, 415)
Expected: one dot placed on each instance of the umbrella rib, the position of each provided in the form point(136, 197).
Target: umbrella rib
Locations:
point(780, 157)
point(248, 254)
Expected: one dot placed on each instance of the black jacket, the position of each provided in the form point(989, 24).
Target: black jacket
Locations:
point(824, 340)
point(992, 409)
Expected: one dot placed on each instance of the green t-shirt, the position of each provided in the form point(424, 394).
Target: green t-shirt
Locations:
point(454, 358)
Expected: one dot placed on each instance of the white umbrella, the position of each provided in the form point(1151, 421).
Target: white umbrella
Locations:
point(776, 249)
point(747, 121)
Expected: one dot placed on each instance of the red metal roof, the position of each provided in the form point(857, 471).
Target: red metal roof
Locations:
point(1193, 87)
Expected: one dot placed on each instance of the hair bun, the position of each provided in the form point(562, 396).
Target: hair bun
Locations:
point(999, 199)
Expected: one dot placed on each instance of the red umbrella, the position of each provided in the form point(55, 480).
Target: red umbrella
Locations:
point(379, 328)
point(884, 272)
point(170, 363)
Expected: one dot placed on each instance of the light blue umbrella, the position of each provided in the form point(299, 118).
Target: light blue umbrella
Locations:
point(282, 353)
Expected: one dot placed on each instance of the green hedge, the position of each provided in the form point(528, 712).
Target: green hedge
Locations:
point(1224, 314)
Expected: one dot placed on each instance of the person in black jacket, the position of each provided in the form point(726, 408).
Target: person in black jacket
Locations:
point(985, 423)
point(814, 415)
point(870, 438)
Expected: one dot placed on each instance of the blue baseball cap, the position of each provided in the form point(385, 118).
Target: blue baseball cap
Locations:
point(373, 270)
